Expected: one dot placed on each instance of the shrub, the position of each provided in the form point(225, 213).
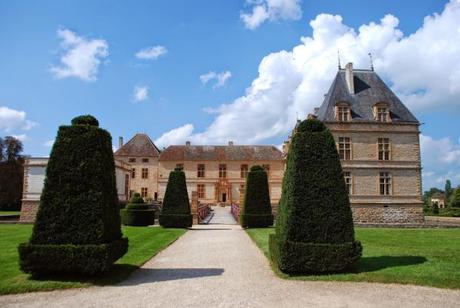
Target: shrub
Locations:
point(77, 228)
point(454, 200)
point(314, 229)
point(11, 178)
point(175, 212)
point(137, 213)
point(435, 208)
point(257, 210)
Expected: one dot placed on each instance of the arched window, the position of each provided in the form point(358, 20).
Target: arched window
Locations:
point(382, 112)
point(343, 112)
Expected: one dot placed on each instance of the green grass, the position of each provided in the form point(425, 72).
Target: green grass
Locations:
point(10, 212)
point(429, 257)
point(144, 243)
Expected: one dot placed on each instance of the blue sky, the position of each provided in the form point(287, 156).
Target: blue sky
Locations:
point(256, 71)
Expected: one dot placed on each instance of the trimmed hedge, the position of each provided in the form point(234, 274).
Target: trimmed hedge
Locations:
point(314, 230)
point(257, 210)
point(175, 212)
point(78, 218)
point(137, 213)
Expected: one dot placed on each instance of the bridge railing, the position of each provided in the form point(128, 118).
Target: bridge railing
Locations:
point(235, 210)
point(203, 211)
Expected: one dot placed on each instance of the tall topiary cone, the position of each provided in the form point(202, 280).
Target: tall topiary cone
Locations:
point(175, 212)
point(77, 228)
point(257, 210)
point(314, 228)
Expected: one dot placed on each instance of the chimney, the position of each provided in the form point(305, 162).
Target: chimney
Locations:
point(230, 143)
point(120, 142)
point(316, 110)
point(349, 77)
point(187, 143)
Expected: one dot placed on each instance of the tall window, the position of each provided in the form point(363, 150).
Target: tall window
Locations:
point(267, 169)
point(180, 166)
point(385, 183)
point(382, 114)
point(384, 148)
point(144, 192)
point(201, 190)
point(343, 114)
point(345, 148)
point(133, 173)
point(145, 173)
point(348, 181)
point(244, 171)
point(200, 171)
point(222, 171)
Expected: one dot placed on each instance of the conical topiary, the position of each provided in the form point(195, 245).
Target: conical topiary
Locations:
point(314, 228)
point(77, 228)
point(257, 210)
point(175, 212)
point(137, 212)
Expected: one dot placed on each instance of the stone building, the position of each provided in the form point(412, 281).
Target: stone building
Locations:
point(218, 172)
point(439, 198)
point(377, 139)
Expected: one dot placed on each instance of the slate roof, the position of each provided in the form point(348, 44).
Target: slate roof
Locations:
point(139, 145)
point(220, 153)
point(369, 89)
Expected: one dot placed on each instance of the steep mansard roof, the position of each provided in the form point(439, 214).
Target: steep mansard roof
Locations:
point(220, 153)
point(369, 90)
point(139, 145)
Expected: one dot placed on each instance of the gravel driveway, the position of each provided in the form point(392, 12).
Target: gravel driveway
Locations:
point(217, 265)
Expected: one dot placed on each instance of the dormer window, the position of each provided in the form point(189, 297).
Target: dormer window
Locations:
point(382, 112)
point(342, 112)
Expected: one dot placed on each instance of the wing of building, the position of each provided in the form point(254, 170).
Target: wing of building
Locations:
point(378, 142)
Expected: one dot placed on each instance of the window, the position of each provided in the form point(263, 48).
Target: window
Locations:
point(348, 181)
point(145, 160)
point(384, 148)
point(345, 148)
point(144, 192)
point(200, 171)
point(145, 173)
point(244, 171)
point(180, 166)
point(155, 196)
point(222, 171)
point(385, 183)
point(267, 169)
point(343, 114)
point(132, 160)
point(133, 173)
point(200, 188)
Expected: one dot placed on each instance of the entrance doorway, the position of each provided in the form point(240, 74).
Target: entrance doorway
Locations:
point(224, 197)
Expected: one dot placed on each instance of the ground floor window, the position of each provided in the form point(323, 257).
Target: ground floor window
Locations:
point(385, 183)
point(144, 191)
point(348, 182)
point(201, 189)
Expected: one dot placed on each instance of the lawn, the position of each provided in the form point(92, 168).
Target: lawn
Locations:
point(429, 257)
point(144, 243)
point(10, 212)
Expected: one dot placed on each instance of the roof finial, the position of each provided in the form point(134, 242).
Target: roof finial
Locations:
point(338, 59)
point(372, 63)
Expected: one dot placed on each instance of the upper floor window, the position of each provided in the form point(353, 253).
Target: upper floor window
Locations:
point(133, 173)
point(244, 171)
point(384, 148)
point(345, 148)
point(343, 112)
point(200, 171)
point(145, 173)
point(385, 183)
point(382, 112)
point(222, 171)
point(201, 191)
point(144, 192)
point(132, 160)
point(267, 169)
point(348, 181)
point(180, 166)
point(145, 160)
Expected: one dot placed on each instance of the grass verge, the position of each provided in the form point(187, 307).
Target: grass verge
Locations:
point(428, 257)
point(144, 243)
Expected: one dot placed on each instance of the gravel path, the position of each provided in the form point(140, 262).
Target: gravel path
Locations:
point(219, 266)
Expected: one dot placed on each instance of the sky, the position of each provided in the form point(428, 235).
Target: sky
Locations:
point(214, 71)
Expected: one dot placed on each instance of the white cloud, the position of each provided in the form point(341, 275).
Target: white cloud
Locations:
point(175, 136)
point(273, 10)
point(140, 93)
point(220, 78)
point(80, 57)
point(151, 53)
point(20, 137)
point(11, 119)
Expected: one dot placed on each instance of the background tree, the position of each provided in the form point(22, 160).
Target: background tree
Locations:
point(448, 191)
point(314, 227)
point(435, 208)
point(11, 173)
point(13, 148)
point(2, 149)
point(454, 201)
point(77, 228)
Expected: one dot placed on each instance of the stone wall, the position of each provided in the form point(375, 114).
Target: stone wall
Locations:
point(389, 214)
point(29, 210)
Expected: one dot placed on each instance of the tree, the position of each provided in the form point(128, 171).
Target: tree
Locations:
point(2, 149)
point(11, 173)
point(137, 212)
point(435, 208)
point(448, 190)
point(13, 148)
point(77, 228)
point(257, 210)
point(455, 198)
point(314, 227)
point(175, 212)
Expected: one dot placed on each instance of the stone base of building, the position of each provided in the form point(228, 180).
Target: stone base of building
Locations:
point(391, 214)
point(29, 210)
